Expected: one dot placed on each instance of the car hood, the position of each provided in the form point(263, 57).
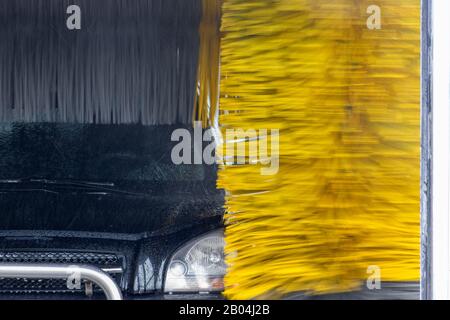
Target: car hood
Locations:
point(149, 193)
point(101, 212)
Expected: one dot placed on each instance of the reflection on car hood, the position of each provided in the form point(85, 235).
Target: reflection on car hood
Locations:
point(148, 192)
point(96, 212)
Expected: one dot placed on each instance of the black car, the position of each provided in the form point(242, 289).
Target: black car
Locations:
point(90, 94)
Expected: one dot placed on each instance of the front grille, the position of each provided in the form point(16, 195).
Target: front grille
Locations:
point(110, 263)
point(96, 259)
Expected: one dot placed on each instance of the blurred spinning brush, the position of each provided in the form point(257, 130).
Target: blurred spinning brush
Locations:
point(346, 101)
point(130, 62)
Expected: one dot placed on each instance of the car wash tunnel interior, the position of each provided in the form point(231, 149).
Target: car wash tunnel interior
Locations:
point(287, 130)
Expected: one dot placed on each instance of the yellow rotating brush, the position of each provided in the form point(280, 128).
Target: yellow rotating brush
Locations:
point(346, 101)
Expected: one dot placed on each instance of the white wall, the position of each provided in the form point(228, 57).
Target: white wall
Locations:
point(441, 149)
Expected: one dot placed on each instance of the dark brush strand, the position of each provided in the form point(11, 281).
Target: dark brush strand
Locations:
point(131, 62)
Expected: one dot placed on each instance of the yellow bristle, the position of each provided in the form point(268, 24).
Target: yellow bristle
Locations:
point(346, 100)
point(207, 97)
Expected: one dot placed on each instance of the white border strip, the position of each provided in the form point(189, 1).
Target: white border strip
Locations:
point(441, 148)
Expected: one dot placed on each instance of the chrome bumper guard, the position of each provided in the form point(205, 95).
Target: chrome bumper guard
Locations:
point(72, 273)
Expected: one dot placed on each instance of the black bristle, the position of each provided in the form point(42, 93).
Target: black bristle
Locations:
point(131, 62)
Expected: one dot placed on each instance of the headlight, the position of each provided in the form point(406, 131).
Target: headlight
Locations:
point(199, 266)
